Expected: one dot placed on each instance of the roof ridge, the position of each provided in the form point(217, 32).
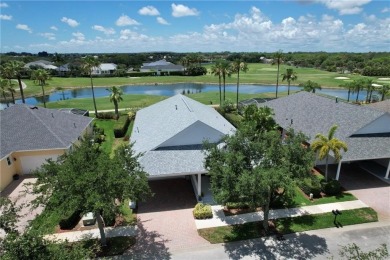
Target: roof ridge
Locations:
point(47, 127)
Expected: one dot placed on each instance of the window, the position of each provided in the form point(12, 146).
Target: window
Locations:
point(9, 162)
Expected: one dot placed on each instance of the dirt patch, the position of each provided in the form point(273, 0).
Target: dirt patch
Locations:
point(233, 211)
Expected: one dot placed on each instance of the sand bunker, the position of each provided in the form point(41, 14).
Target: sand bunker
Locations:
point(341, 78)
point(385, 79)
point(376, 85)
point(269, 69)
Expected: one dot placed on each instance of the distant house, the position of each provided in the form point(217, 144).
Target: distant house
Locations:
point(170, 136)
point(365, 130)
point(265, 60)
point(104, 69)
point(63, 70)
point(31, 135)
point(160, 67)
point(44, 64)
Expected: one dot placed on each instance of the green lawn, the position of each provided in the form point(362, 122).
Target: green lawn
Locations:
point(288, 225)
point(301, 200)
point(257, 74)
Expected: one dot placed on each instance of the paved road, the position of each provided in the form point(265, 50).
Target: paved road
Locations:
point(318, 244)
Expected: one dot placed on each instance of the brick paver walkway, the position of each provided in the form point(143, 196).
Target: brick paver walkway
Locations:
point(165, 222)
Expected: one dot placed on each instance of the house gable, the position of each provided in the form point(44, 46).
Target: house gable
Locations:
point(194, 134)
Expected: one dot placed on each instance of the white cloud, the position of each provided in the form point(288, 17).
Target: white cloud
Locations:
point(3, 5)
point(182, 10)
point(124, 20)
point(54, 28)
point(345, 6)
point(79, 36)
point(70, 22)
point(49, 36)
point(385, 10)
point(149, 10)
point(5, 17)
point(161, 20)
point(106, 31)
point(24, 27)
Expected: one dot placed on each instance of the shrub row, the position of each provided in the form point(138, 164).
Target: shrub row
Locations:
point(106, 115)
point(237, 205)
point(315, 186)
point(202, 211)
point(71, 221)
point(121, 125)
point(140, 74)
point(233, 119)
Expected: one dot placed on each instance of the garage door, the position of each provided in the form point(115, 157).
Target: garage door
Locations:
point(31, 163)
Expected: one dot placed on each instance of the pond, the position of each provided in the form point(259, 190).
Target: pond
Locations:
point(173, 89)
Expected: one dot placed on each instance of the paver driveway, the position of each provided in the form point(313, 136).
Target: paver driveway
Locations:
point(165, 221)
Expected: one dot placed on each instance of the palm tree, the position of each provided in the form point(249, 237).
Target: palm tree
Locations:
point(89, 64)
point(15, 69)
point(12, 91)
point(290, 75)
point(216, 70)
point(41, 76)
point(3, 89)
point(115, 97)
point(62, 90)
point(226, 70)
point(278, 58)
point(367, 85)
point(238, 66)
point(358, 85)
point(310, 86)
point(325, 144)
point(384, 91)
point(349, 86)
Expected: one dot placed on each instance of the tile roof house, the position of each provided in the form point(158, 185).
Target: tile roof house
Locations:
point(161, 66)
point(365, 130)
point(30, 135)
point(170, 135)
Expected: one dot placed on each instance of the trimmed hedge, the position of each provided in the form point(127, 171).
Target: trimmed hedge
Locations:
point(233, 119)
point(202, 211)
point(332, 187)
point(311, 185)
point(141, 74)
point(121, 125)
point(237, 205)
point(106, 115)
point(71, 221)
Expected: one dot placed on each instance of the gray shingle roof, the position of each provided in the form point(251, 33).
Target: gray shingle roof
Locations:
point(170, 134)
point(312, 114)
point(24, 129)
point(381, 106)
point(162, 65)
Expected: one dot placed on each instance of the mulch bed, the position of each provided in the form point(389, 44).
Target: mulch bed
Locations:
point(232, 212)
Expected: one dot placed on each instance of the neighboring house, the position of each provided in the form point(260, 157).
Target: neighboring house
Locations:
point(104, 69)
point(161, 66)
point(170, 135)
point(365, 130)
point(44, 64)
point(266, 61)
point(64, 70)
point(381, 106)
point(31, 135)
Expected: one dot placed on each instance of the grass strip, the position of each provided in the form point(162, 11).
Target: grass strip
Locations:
point(288, 225)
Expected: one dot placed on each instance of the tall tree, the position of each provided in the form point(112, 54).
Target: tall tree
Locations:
point(4, 89)
point(87, 179)
point(323, 145)
point(41, 76)
point(289, 75)
point(89, 64)
point(216, 70)
point(310, 86)
point(358, 85)
point(349, 86)
point(278, 59)
point(9, 215)
point(226, 70)
point(16, 68)
point(385, 90)
point(238, 66)
point(12, 91)
point(115, 97)
point(255, 166)
point(367, 85)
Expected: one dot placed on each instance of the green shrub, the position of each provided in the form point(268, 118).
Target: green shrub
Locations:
point(234, 119)
point(332, 187)
point(228, 106)
point(311, 185)
point(141, 74)
point(71, 221)
point(236, 205)
point(121, 125)
point(202, 211)
point(106, 115)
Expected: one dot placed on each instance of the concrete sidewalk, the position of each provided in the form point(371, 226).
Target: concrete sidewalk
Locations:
point(74, 236)
point(219, 219)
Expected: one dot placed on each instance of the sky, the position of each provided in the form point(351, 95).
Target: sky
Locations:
point(195, 26)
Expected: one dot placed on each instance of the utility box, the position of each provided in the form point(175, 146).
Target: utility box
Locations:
point(89, 219)
point(132, 205)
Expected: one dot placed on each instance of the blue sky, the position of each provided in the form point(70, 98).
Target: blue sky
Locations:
point(191, 26)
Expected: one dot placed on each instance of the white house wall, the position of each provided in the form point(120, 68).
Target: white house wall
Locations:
point(194, 134)
point(379, 125)
point(31, 163)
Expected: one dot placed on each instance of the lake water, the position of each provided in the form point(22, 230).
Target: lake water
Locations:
point(173, 89)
